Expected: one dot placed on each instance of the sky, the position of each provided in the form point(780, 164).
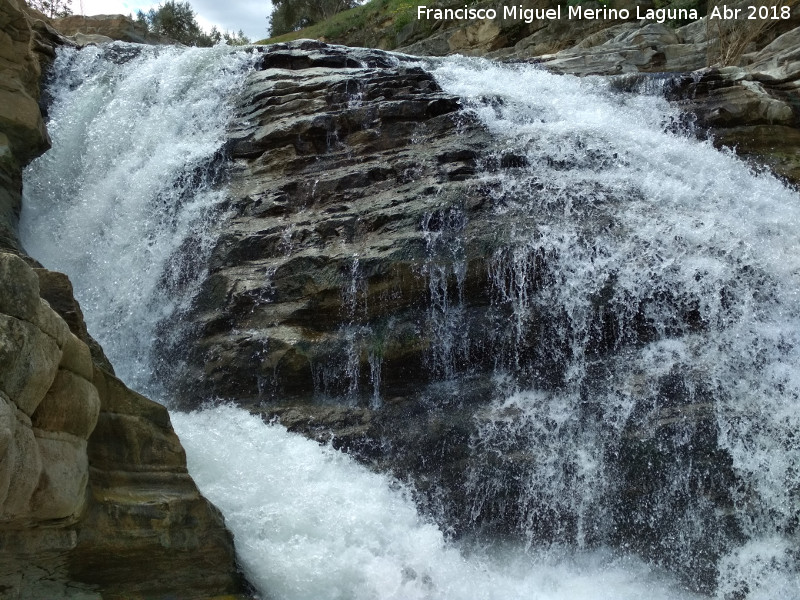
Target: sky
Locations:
point(231, 15)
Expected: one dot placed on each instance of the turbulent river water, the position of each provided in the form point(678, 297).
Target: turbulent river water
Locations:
point(664, 222)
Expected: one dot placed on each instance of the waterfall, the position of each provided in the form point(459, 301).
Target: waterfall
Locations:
point(312, 524)
point(646, 302)
point(124, 200)
point(659, 280)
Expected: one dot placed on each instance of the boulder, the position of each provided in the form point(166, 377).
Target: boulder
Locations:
point(93, 483)
point(90, 39)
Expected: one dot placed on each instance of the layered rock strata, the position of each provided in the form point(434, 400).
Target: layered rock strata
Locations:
point(354, 197)
point(360, 290)
point(342, 161)
point(95, 498)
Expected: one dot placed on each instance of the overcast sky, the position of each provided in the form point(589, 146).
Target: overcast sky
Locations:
point(231, 15)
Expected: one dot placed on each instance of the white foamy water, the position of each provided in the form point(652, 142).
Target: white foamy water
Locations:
point(130, 179)
point(695, 261)
point(312, 524)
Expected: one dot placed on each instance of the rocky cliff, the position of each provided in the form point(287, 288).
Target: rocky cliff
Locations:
point(336, 171)
point(374, 288)
point(743, 85)
point(95, 499)
point(22, 132)
point(752, 108)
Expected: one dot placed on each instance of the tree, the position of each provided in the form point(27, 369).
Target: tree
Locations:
point(55, 9)
point(291, 15)
point(230, 38)
point(177, 21)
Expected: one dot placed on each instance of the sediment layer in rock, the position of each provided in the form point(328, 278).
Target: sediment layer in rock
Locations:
point(94, 493)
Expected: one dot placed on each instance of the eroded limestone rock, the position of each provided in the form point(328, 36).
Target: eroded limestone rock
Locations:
point(94, 491)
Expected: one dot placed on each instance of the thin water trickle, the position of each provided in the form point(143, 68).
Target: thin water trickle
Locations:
point(445, 271)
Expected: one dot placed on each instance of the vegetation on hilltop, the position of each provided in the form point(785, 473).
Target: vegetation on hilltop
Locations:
point(55, 9)
point(178, 21)
point(292, 15)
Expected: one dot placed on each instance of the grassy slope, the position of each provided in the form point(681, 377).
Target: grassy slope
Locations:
point(374, 24)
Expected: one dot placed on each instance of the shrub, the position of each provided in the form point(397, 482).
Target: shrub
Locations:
point(292, 15)
point(55, 9)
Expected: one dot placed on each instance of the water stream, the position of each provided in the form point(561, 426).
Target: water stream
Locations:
point(683, 262)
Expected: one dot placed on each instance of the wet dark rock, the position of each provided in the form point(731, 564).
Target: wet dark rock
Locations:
point(753, 109)
point(339, 171)
point(361, 293)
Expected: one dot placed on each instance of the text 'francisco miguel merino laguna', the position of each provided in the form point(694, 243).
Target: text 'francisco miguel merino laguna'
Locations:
point(660, 15)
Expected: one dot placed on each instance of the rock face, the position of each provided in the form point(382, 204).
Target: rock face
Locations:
point(354, 182)
point(145, 514)
point(362, 292)
point(346, 168)
point(628, 48)
point(94, 492)
point(22, 132)
point(49, 405)
point(95, 499)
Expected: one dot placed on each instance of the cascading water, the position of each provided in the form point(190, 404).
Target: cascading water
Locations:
point(130, 180)
point(647, 290)
point(656, 280)
point(310, 523)
point(445, 262)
